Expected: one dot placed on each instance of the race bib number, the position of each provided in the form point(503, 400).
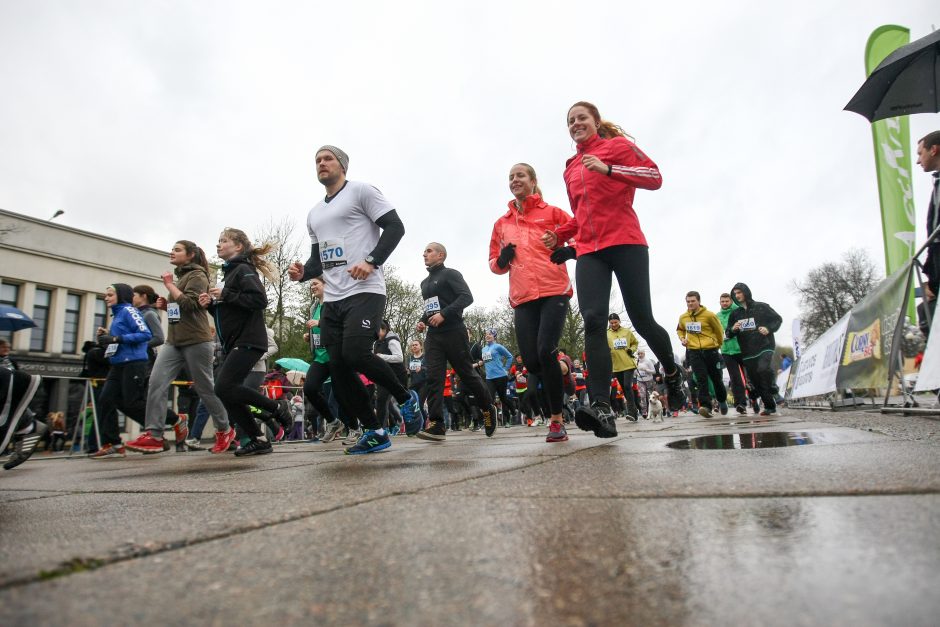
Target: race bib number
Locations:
point(432, 305)
point(748, 324)
point(487, 357)
point(333, 253)
point(173, 312)
point(414, 365)
point(110, 350)
point(620, 343)
point(315, 339)
point(693, 327)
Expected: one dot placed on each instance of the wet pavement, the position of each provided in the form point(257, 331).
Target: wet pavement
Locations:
point(808, 518)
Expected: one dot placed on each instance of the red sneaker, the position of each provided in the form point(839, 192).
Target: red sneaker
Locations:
point(146, 444)
point(109, 451)
point(557, 432)
point(223, 440)
point(181, 428)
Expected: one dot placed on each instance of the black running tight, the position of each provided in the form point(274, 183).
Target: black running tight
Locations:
point(539, 324)
point(630, 264)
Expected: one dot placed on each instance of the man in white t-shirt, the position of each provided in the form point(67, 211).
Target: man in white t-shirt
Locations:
point(353, 230)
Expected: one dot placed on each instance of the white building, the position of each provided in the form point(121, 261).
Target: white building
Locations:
point(57, 275)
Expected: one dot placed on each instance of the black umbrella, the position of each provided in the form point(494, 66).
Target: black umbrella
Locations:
point(12, 319)
point(904, 83)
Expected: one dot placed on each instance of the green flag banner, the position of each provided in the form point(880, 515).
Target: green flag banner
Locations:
point(892, 139)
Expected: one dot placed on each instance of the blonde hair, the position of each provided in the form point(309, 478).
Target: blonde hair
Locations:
point(254, 255)
point(531, 172)
point(605, 128)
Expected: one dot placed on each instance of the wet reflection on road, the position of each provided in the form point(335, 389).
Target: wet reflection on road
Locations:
point(754, 439)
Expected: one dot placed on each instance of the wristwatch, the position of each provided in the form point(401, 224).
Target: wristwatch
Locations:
point(371, 260)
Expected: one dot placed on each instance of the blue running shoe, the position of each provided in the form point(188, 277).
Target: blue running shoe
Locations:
point(411, 414)
point(370, 442)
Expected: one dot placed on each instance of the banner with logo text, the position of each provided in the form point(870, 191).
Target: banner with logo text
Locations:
point(854, 352)
point(892, 139)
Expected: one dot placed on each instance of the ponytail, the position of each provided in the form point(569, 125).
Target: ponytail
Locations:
point(255, 255)
point(199, 255)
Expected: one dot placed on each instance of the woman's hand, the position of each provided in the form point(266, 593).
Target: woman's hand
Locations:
point(549, 239)
point(204, 300)
point(161, 303)
point(215, 292)
point(594, 164)
point(167, 278)
point(311, 324)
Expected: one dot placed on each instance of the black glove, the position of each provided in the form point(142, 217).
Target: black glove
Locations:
point(563, 254)
point(106, 339)
point(630, 353)
point(506, 255)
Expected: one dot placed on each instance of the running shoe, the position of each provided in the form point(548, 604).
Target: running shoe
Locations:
point(489, 420)
point(768, 412)
point(411, 413)
point(597, 418)
point(557, 432)
point(193, 444)
point(723, 409)
point(435, 432)
point(352, 437)
point(370, 442)
point(25, 444)
point(147, 444)
point(254, 447)
point(704, 411)
point(223, 440)
point(109, 451)
point(674, 393)
point(675, 414)
point(280, 434)
point(181, 431)
point(755, 406)
point(332, 430)
point(283, 415)
point(741, 409)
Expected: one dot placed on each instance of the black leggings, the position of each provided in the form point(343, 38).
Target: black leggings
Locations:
point(630, 263)
point(124, 389)
point(539, 324)
point(235, 396)
point(313, 389)
point(350, 356)
point(497, 389)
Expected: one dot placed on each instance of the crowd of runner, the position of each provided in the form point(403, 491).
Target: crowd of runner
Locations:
point(364, 384)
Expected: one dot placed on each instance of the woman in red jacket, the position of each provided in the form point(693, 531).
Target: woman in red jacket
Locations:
point(539, 287)
point(602, 179)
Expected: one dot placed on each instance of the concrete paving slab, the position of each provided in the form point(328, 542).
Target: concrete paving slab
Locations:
point(442, 560)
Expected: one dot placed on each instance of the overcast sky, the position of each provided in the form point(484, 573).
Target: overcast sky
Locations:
point(158, 121)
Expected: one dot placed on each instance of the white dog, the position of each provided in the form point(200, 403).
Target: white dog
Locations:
point(656, 412)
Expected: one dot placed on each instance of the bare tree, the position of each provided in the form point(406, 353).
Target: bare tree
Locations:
point(285, 297)
point(572, 335)
point(830, 290)
point(404, 305)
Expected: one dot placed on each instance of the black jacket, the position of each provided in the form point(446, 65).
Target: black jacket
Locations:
point(452, 293)
point(754, 314)
point(239, 310)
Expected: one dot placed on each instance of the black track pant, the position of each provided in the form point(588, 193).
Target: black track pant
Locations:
point(630, 264)
point(313, 389)
point(706, 366)
point(451, 346)
point(539, 324)
point(235, 395)
point(735, 366)
point(124, 389)
point(760, 373)
point(625, 378)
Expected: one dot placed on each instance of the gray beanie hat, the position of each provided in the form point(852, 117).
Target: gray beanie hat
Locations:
point(341, 156)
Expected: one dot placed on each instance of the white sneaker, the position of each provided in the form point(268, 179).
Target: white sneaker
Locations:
point(331, 431)
point(353, 437)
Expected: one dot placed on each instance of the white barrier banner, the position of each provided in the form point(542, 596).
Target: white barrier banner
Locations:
point(815, 371)
point(782, 379)
point(929, 376)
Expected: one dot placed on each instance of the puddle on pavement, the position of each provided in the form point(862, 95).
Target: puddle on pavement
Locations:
point(740, 423)
point(759, 439)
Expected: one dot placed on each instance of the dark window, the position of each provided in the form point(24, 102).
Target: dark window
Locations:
point(9, 295)
point(73, 311)
point(101, 314)
point(41, 318)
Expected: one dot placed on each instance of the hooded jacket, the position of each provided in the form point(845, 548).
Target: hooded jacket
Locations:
point(239, 310)
point(602, 204)
point(729, 346)
point(390, 350)
point(532, 275)
point(132, 332)
point(445, 291)
point(753, 315)
point(702, 329)
point(193, 325)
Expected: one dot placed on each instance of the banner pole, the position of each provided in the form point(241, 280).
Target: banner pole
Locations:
point(894, 358)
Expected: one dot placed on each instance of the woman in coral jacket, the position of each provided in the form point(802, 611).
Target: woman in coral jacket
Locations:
point(539, 287)
point(602, 179)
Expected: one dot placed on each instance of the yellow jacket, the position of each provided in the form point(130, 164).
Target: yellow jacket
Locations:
point(621, 341)
point(702, 329)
